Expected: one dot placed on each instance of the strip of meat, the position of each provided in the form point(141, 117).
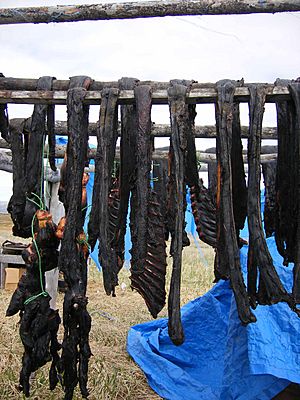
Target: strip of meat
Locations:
point(31, 159)
point(34, 162)
point(294, 88)
point(269, 174)
point(171, 207)
point(104, 161)
point(204, 213)
point(160, 173)
point(73, 254)
point(176, 97)
point(239, 189)
point(127, 168)
point(148, 263)
point(227, 245)
point(271, 289)
point(16, 205)
point(51, 136)
point(117, 244)
point(286, 187)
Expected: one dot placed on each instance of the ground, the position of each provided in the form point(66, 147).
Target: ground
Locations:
point(113, 374)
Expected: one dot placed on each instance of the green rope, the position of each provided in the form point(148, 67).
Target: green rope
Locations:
point(86, 207)
point(32, 201)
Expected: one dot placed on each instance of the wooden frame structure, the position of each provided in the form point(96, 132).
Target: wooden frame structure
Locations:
point(23, 91)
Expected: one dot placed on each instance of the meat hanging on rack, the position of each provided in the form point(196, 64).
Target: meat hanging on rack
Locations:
point(294, 89)
point(127, 166)
point(99, 224)
point(286, 179)
point(270, 289)
point(178, 116)
point(171, 206)
point(33, 188)
point(74, 251)
point(160, 182)
point(51, 136)
point(38, 322)
point(204, 213)
point(239, 187)
point(148, 262)
point(17, 201)
point(203, 208)
point(227, 262)
point(269, 174)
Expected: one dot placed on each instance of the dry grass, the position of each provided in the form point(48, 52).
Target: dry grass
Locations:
point(113, 374)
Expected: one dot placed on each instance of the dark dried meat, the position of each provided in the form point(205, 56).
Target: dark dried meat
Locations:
point(270, 290)
point(227, 253)
point(99, 224)
point(148, 263)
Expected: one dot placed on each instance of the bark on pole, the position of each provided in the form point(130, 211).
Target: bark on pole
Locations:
point(143, 9)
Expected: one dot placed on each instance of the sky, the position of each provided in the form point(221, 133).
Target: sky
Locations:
point(257, 47)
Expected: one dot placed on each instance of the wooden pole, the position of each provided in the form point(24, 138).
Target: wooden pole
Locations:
point(164, 130)
point(142, 9)
point(195, 96)
point(158, 130)
point(5, 162)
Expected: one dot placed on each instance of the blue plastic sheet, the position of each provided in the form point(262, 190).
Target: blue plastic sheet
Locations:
point(221, 359)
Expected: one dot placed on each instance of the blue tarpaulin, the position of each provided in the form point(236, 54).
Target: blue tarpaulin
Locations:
point(221, 359)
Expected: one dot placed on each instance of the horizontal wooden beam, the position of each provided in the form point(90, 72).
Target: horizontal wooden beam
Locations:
point(142, 9)
point(195, 96)
point(8, 83)
point(203, 157)
point(5, 162)
point(164, 130)
point(158, 130)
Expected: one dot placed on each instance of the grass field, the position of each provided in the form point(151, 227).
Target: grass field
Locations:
point(113, 374)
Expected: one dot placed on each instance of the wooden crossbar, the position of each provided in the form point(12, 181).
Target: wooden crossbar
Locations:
point(142, 9)
point(158, 130)
point(195, 96)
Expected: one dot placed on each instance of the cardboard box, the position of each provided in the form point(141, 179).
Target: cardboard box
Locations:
point(12, 277)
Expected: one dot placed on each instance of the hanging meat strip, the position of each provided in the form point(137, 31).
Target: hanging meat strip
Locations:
point(294, 88)
point(203, 209)
point(239, 189)
point(99, 224)
point(176, 97)
point(33, 155)
point(51, 136)
point(127, 165)
point(204, 212)
point(171, 207)
point(16, 205)
point(73, 255)
point(148, 263)
point(227, 254)
point(286, 180)
point(269, 174)
point(270, 289)
point(160, 174)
